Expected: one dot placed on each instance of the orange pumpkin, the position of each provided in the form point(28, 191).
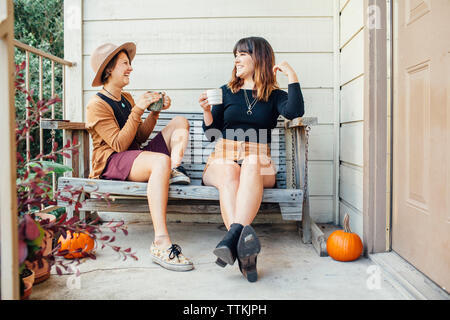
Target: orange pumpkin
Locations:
point(75, 241)
point(344, 245)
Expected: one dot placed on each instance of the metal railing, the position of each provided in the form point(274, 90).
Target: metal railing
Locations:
point(54, 60)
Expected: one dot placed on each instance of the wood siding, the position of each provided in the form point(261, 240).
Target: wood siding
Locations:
point(185, 47)
point(351, 112)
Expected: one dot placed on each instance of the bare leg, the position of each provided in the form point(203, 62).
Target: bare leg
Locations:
point(155, 168)
point(176, 136)
point(225, 177)
point(253, 180)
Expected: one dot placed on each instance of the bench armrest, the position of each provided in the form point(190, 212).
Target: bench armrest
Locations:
point(300, 122)
point(62, 125)
point(73, 131)
point(297, 129)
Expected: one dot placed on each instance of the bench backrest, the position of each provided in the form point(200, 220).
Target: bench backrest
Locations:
point(195, 157)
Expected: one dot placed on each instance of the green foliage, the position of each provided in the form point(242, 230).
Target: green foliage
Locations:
point(40, 24)
point(50, 166)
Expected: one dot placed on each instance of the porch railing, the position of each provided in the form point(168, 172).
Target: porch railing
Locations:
point(54, 60)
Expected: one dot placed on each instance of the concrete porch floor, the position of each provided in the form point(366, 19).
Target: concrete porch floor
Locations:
point(287, 269)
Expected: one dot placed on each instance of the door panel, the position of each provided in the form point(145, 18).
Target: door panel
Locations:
point(421, 149)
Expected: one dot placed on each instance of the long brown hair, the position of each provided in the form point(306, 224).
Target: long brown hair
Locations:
point(262, 54)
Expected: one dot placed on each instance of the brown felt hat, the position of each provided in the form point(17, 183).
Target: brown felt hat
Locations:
point(103, 55)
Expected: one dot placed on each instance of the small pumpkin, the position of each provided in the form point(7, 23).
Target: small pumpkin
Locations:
point(344, 245)
point(76, 241)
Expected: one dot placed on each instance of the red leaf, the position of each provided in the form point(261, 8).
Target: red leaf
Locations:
point(119, 224)
point(73, 220)
point(58, 270)
point(63, 252)
point(95, 221)
point(62, 218)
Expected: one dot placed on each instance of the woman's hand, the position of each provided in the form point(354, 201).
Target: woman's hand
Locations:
point(146, 99)
point(287, 70)
point(166, 102)
point(203, 101)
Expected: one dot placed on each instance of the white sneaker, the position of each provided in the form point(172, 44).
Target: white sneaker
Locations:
point(179, 176)
point(171, 258)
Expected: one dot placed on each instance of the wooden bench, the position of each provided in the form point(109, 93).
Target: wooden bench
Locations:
point(289, 152)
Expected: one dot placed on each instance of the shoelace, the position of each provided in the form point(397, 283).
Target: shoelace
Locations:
point(181, 169)
point(175, 251)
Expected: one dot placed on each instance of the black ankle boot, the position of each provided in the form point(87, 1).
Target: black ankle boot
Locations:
point(248, 248)
point(226, 251)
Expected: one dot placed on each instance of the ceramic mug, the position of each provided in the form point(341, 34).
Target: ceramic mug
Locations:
point(214, 96)
point(158, 105)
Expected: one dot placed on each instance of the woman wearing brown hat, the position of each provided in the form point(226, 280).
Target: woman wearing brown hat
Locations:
point(115, 125)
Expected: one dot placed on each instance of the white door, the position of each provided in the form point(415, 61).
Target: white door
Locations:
point(421, 133)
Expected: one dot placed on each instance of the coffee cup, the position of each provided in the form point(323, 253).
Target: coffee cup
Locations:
point(158, 105)
point(214, 96)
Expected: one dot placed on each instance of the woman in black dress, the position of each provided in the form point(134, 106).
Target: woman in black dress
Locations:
point(240, 166)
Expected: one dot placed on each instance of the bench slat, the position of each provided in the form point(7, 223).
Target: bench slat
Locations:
point(281, 184)
point(202, 137)
point(191, 116)
point(174, 206)
point(194, 130)
point(175, 191)
point(198, 175)
point(211, 145)
point(190, 151)
point(199, 167)
point(196, 159)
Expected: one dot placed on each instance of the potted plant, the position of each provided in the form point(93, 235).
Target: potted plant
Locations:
point(37, 230)
point(41, 267)
point(30, 237)
point(25, 288)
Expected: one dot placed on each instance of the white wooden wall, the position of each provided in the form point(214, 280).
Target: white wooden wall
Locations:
point(185, 47)
point(351, 112)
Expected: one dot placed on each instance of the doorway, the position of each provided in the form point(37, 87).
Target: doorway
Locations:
point(421, 137)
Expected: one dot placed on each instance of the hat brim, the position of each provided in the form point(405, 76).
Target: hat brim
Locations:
point(130, 47)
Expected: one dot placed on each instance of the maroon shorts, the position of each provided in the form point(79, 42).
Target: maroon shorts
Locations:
point(119, 164)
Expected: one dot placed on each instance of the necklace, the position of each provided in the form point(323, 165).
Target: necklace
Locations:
point(250, 106)
point(123, 105)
